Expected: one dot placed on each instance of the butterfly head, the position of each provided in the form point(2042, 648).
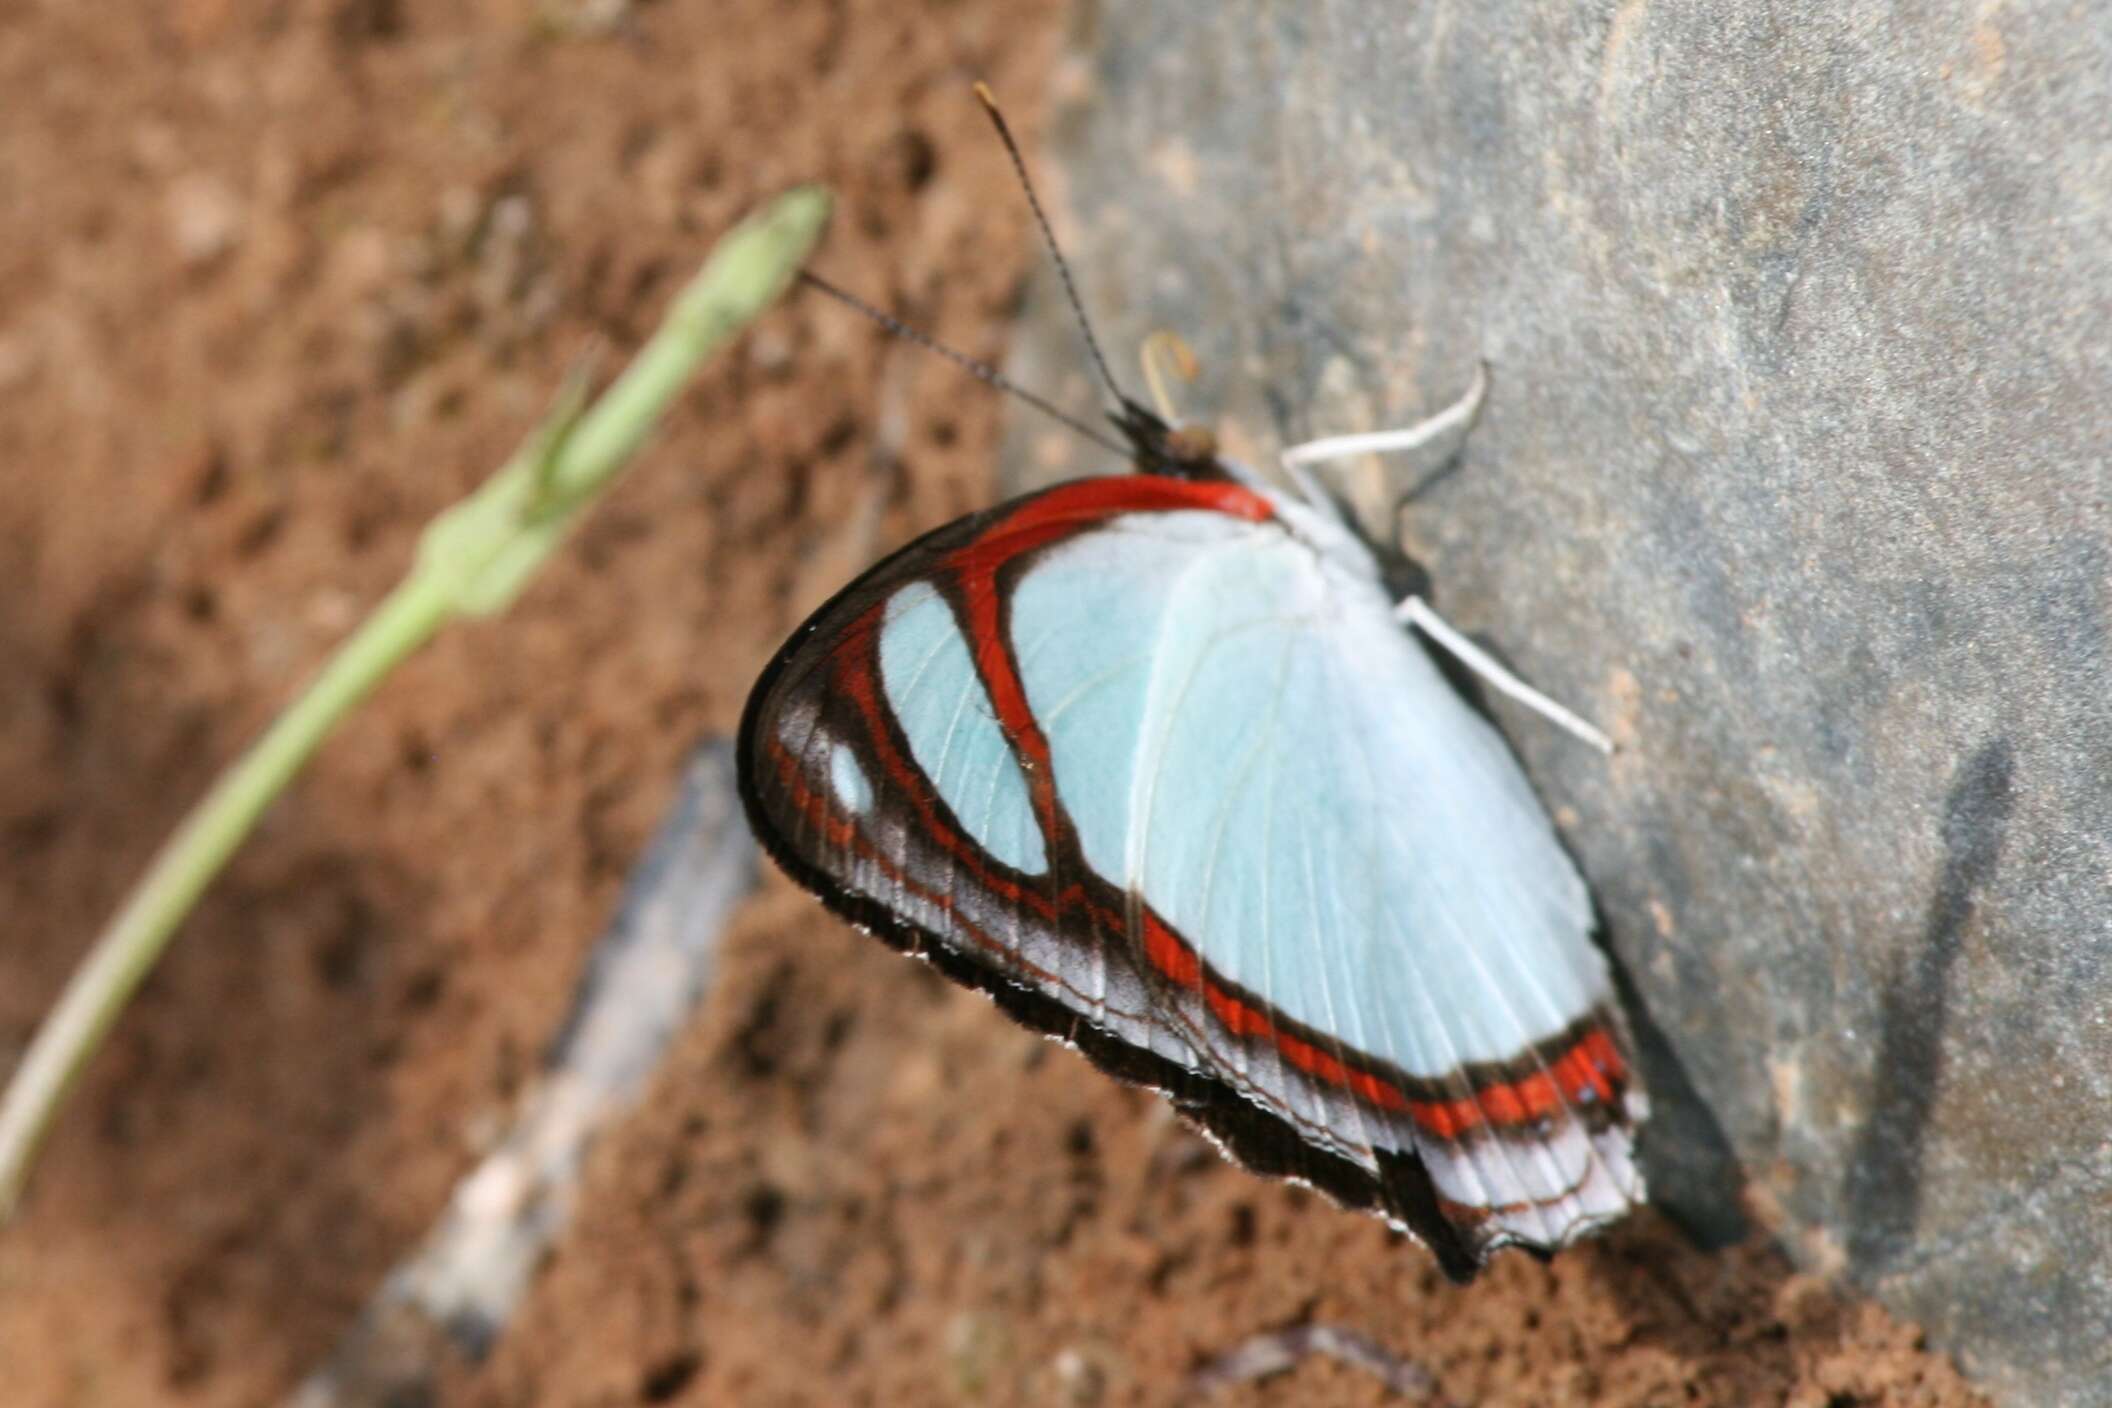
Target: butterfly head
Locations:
point(1157, 447)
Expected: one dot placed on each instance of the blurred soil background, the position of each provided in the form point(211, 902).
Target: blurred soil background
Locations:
point(280, 280)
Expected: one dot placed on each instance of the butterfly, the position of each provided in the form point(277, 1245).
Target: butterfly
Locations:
point(1152, 760)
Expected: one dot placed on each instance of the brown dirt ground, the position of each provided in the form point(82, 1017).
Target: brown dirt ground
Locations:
point(279, 280)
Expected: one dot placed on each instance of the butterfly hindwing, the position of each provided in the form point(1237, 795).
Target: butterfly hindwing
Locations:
point(1148, 761)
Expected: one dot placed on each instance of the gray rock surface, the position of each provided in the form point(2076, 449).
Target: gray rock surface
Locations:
point(1794, 474)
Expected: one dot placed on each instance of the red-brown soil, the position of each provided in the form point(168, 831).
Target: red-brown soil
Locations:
point(277, 282)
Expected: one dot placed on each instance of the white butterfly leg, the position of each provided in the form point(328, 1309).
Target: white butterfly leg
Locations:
point(1338, 447)
point(1416, 612)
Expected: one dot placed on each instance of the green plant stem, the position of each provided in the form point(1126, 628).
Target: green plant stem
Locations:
point(474, 559)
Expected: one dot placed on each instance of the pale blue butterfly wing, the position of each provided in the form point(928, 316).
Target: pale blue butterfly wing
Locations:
point(1150, 762)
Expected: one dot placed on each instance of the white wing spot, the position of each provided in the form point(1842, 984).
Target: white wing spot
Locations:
point(854, 791)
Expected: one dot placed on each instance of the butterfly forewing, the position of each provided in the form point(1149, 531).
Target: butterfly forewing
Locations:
point(1148, 761)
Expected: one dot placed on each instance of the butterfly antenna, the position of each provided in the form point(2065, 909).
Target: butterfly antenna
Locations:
point(1048, 235)
point(982, 371)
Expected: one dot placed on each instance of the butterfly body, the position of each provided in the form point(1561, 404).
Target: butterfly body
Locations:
point(1148, 759)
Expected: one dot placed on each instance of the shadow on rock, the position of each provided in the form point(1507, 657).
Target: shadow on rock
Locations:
point(1693, 1172)
point(1883, 1190)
